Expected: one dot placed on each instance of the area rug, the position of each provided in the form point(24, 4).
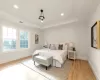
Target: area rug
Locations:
point(52, 73)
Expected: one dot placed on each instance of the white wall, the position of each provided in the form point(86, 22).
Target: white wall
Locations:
point(74, 32)
point(19, 53)
point(94, 55)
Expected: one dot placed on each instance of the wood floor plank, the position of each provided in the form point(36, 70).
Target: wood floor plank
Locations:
point(4, 65)
point(81, 70)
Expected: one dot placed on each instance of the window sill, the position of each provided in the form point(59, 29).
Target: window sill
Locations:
point(24, 49)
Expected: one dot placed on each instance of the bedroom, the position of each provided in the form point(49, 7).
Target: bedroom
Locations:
point(65, 21)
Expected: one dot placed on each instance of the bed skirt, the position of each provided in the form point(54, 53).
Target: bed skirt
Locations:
point(57, 63)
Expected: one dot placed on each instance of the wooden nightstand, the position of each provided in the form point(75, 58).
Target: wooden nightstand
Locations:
point(71, 54)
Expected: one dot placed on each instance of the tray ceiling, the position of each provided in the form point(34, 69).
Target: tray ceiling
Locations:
point(29, 10)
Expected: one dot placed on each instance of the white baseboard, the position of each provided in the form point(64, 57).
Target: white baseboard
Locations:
point(5, 61)
point(96, 75)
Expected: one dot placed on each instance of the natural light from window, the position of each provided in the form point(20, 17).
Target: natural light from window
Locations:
point(9, 38)
point(23, 39)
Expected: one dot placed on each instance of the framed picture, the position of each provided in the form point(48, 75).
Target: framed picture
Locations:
point(36, 39)
point(95, 35)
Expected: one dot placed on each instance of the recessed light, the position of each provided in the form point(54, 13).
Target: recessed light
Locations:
point(15, 6)
point(62, 14)
point(41, 21)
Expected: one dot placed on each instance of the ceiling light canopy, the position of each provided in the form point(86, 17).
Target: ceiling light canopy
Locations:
point(16, 7)
point(41, 17)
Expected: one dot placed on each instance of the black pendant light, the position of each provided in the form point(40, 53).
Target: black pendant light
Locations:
point(41, 17)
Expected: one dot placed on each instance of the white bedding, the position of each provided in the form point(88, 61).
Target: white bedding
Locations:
point(58, 55)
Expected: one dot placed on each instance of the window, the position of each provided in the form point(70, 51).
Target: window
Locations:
point(9, 38)
point(23, 39)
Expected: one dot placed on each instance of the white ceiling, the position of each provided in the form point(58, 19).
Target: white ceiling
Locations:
point(29, 11)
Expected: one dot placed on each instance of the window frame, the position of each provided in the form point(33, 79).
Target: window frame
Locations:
point(4, 50)
point(18, 30)
point(28, 39)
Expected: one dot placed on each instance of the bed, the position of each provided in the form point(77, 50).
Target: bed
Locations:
point(59, 56)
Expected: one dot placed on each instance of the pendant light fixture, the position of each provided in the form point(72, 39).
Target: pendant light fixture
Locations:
point(41, 17)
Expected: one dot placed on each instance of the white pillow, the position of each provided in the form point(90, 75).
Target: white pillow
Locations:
point(52, 47)
point(56, 45)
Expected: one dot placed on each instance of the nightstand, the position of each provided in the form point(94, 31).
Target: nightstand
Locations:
point(71, 54)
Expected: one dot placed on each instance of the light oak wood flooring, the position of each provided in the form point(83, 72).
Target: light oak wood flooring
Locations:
point(11, 63)
point(81, 70)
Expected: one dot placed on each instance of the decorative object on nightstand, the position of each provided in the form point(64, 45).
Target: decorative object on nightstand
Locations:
point(71, 51)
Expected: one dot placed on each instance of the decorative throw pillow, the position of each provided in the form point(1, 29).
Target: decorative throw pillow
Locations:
point(56, 45)
point(60, 47)
point(52, 47)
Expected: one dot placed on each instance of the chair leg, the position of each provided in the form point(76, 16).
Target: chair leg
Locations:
point(46, 67)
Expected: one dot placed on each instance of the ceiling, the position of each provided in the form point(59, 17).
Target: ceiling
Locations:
point(29, 11)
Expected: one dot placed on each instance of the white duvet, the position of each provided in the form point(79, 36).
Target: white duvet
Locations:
point(58, 55)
